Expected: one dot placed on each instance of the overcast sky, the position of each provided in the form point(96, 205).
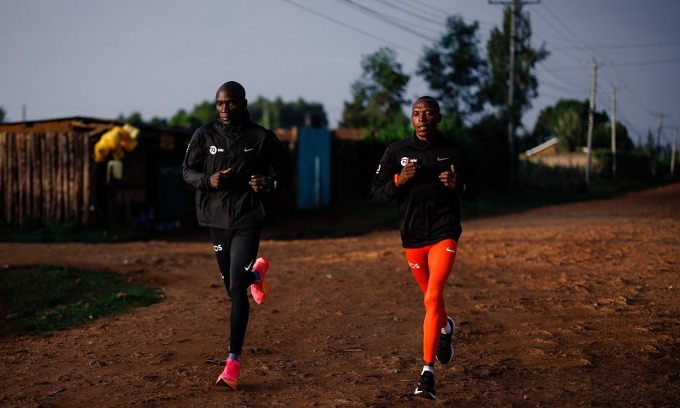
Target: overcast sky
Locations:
point(105, 58)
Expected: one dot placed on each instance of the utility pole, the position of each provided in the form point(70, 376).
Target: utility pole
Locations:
point(613, 122)
point(657, 149)
point(515, 10)
point(675, 136)
point(591, 117)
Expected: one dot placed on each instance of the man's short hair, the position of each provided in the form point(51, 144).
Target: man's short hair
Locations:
point(234, 87)
point(429, 99)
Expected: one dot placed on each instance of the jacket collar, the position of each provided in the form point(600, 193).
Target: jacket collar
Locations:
point(420, 143)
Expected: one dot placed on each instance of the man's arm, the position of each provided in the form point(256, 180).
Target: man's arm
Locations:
point(384, 189)
point(192, 166)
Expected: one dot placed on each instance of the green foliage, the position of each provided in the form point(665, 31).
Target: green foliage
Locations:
point(454, 68)
point(568, 128)
point(202, 113)
point(602, 138)
point(396, 129)
point(378, 96)
point(48, 298)
point(135, 118)
point(270, 114)
point(526, 57)
point(279, 114)
point(568, 121)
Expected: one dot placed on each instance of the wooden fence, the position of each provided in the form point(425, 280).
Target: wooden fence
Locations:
point(45, 178)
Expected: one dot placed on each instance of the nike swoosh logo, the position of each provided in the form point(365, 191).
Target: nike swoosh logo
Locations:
point(442, 158)
point(450, 250)
point(249, 265)
point(247, 150)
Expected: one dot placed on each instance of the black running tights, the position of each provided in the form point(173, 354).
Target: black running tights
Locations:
point(236, 250)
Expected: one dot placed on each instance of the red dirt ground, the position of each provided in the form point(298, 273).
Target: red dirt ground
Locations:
point(573, 305)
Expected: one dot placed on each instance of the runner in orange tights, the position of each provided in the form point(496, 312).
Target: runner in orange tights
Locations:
point(427, 174)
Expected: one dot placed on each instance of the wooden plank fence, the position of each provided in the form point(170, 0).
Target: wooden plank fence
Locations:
point(45, 178)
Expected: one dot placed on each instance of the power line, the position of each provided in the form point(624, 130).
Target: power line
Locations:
point(384, 18)
point(375, 37)
point(410, 13)
point(559, 20)
point(640, 63)
point(620, 79)
point(426, 5)
point(629, 46)
point(409, 21)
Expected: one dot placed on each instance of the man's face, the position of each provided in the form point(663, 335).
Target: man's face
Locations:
point(230, 106)
point(424, 118)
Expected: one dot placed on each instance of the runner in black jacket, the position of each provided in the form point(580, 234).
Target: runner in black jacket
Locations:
point(235, 165)
point(427, 174)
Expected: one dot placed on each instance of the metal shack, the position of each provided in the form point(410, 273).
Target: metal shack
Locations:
point(48, 174)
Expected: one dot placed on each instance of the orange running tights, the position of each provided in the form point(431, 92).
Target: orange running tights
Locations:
point(431, 266)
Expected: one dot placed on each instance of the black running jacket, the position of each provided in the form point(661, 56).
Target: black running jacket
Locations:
point(429, 212)
point(248, 149)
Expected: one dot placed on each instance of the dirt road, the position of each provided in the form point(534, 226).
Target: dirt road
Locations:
point(574, 305)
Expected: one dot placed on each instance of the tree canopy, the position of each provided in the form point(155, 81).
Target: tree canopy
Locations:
point(271, 114)
point(455, 70)
point(525, 87)
point(568, 121)
point(378, 95)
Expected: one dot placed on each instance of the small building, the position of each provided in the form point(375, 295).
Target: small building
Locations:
point(48, 175)
point(551, 154)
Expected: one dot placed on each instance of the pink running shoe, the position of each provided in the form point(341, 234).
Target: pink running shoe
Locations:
point(260, 290)
point(229, 376)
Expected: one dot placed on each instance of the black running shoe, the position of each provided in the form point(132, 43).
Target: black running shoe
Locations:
point(426, 386)
point(445, 349)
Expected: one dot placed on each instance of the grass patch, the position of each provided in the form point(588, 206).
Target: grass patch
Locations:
point(43, 299)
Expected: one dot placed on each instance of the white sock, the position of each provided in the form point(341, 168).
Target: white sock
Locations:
point(427, 368)
point(447, 329)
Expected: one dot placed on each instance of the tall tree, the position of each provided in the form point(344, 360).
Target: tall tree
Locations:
point(455, 70)
point(569, 130)
point(378, 96)
point(526, 57)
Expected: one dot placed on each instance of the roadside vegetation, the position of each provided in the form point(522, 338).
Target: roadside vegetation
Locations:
point(40, 300)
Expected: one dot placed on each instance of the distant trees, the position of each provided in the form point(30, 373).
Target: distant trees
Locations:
point(378, 96)
point(135, 118)
point(463, 81)
point(526, 57)
point(3, 113)
point(271, 114)
point(568, 121)
point(455, 70)
point(279, 114)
